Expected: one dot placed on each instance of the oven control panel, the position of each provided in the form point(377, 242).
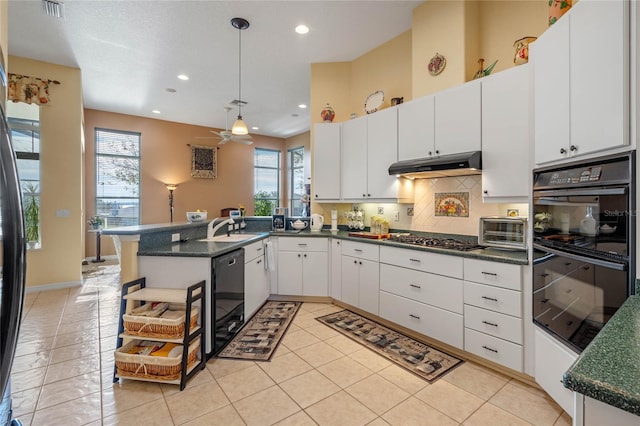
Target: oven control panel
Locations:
point(564, 177)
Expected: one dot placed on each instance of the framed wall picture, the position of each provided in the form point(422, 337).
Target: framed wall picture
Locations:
point(204, 162)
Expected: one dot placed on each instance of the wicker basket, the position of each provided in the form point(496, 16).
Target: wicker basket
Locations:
point(162, 328)
point(152, 367)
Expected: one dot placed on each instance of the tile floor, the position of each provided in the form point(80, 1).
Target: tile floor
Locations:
point(62, 375)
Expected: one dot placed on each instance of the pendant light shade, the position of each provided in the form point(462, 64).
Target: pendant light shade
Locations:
point(239, 127)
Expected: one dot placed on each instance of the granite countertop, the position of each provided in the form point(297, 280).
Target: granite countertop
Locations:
point(609, 368)
point(195, 248)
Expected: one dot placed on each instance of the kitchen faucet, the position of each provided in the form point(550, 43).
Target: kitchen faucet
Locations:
point(211, 230)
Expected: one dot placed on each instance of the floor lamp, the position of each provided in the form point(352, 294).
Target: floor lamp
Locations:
point(171, 188)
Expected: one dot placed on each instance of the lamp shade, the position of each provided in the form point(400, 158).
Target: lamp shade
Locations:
point(239, 128)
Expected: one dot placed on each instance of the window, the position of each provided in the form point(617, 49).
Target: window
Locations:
point(24, 122)
point(267, 181)
point(296, 179)
point(118, 177)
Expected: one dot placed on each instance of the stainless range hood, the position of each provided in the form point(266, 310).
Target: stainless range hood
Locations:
point(466, 163)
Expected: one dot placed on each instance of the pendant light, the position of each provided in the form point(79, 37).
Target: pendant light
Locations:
point(239, 128)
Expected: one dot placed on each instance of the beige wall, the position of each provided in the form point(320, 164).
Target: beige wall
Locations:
point(166, 158)
point(61, 159)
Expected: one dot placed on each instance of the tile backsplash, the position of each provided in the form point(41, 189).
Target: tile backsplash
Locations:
point(424, 218)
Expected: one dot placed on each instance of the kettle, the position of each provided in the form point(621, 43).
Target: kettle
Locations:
point(298, 224)
point(317, 221)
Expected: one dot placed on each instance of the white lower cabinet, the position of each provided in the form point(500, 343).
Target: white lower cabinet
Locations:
point(360, 276)
point(597, 413)
point(415, 294)
point(336, 269)
point(303, 266)
point(494, 349)
point(256, 278)
point(433, 322)
point(493, 312)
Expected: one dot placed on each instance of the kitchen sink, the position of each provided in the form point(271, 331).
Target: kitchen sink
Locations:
point(232, 238)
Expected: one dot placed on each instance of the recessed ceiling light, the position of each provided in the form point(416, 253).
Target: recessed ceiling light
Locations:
point(170, 90)
point(302, 106)
point(255, 128)
point(302, 29)
point(183, 77)
point(155, 111)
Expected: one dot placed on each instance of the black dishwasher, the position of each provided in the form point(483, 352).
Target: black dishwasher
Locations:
point(227, 297)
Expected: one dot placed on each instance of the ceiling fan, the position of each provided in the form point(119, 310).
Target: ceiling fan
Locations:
point(227, 136)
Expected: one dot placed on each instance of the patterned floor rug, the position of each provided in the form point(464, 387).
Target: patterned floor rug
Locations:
point(418, 358)
point(261, 335)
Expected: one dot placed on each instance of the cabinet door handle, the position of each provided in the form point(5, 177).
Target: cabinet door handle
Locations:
point(360, 263)
point(363, 195)
point(259, 261)
point(414, 316)
point(259, 249)
point(573, 147)
point(305, 255)
point(232, 262)
point(358, 250)
point(298, 254)
point(437, 151)
point(316, 195)
point(338, 242)
point(563, 151)
point(485, 192)
point(489, 349)
point(302, 244)
point(368, 195)
point(544, 275)
point(415, 286)
point(355, 262)
point(430, 153)
point(493, 299)
point(414, 260)
point(489, 323)
point(490, 273)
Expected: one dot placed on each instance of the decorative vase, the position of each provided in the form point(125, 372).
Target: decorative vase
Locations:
point(327, 113)
point(557, 8)
point(522, 50)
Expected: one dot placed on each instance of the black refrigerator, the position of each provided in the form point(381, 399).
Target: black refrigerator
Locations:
point(13, 256)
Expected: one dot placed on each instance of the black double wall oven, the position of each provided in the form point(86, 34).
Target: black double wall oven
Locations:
point(584, 246)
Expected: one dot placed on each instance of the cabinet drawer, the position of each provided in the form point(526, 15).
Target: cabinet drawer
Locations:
point(303, 244)
point(433, 322)
point(494, 349)
point(493, 298)
point(499, 325)
point(253, 250)
point(435, 290)
point(435, 263)
point(361, 250)
point(493, 273)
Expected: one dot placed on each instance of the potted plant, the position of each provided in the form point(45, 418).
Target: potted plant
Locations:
point(96, 222)
point(32, 213)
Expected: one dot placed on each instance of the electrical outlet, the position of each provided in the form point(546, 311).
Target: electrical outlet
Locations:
point(380, 210)
point(396, 216)
point(175, 238)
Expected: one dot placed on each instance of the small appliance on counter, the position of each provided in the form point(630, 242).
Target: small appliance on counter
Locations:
point(334, 220)
point(503, 232)
point(317, 221)
point(278, 218)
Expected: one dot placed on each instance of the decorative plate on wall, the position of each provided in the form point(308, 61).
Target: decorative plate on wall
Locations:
point(436, 64)
point(373, 102)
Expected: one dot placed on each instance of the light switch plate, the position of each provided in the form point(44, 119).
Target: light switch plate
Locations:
point(175, 238)
point(62, 213)
point(396, 216)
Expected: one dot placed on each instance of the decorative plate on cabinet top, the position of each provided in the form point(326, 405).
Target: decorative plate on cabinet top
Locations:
point(373, 102)
point(436, 64)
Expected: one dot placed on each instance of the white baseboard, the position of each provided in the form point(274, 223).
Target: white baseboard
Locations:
point(56, 286)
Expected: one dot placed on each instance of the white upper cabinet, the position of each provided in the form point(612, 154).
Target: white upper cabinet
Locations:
point(369, 147)
point(550, 58)
point(354, 158)
point(416, 126)
point(581, 83)
point(458, 119)
point(326, 161)
point(599, 34)
point(506, 132)
point(382, 151)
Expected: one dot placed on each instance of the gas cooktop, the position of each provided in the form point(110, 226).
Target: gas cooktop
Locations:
point(446, 243)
